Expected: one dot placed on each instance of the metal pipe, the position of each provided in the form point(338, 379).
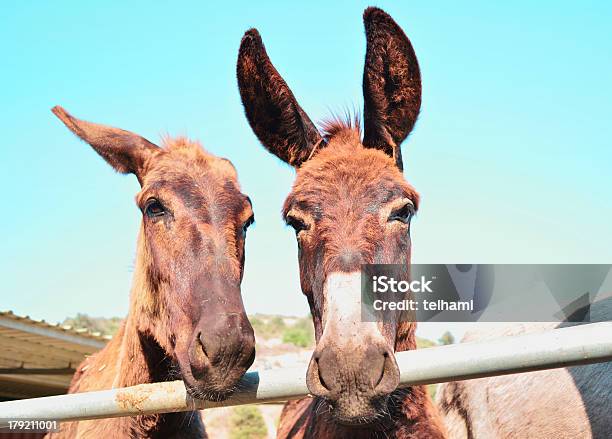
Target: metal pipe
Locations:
point(575, 345)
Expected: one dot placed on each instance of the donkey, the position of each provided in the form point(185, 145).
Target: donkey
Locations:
point(186, 317)
point(567, 403)
point(349, 205)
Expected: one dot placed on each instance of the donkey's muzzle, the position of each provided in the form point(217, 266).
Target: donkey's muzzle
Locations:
point(227, 340)
point(222, 347)
point(355, 381)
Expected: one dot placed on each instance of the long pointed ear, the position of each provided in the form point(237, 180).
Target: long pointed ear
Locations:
point(391, 85)
point(125, 151)
point(271, 109)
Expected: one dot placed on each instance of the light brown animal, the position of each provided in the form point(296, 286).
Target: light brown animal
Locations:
point(186, 318)
point(349, 205)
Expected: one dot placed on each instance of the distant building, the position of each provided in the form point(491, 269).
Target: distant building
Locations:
point(38, 358)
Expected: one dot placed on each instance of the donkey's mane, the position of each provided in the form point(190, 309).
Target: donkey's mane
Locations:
point(341, 125)
point(196, 154)
point(182, 143)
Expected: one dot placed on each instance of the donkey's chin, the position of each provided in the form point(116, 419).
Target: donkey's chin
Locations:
point(211, 389)
point(208, 394)
point(211, 384)
point(359, 412)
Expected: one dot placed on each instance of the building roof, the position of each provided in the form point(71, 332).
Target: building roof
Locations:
point(38, 358)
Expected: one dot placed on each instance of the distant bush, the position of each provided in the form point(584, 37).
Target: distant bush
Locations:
point(103, 325)
point(432, 388)
point(297, 338)
point(247, 422)
point(446, 339)
point(425, 343)
point(300, 333)
point(267, 326)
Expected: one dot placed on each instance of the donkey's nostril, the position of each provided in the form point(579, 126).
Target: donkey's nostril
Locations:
point(388, 379)
point(201, 342)
point(382, 371)
point(321, 380)
point(317, 385)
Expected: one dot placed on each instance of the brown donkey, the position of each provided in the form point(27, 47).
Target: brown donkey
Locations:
point(350, 205)
point(186, 318)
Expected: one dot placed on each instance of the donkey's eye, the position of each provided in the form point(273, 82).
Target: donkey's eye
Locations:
point(248, 223)
point(403, 214)
point(153, 208)
point(297, 224)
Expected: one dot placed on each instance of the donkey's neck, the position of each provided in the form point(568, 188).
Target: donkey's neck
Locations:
point(142, 360)
point(416, 415)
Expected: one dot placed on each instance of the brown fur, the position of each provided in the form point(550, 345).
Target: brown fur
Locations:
point(350, 205)
point(188, 257)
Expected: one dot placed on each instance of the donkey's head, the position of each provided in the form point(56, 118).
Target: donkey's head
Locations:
point(186, 294)
point(350, 205)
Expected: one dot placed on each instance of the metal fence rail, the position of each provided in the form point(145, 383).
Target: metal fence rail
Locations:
point(576, 345)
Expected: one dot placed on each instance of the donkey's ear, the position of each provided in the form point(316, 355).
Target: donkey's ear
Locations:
point(125, 151)
point(391, 85)
point(271, 109)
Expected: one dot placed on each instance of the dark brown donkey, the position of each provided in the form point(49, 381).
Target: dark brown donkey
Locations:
point(186, 318)
point(350, 205)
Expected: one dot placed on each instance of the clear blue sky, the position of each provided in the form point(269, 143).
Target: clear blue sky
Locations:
point(511, 154)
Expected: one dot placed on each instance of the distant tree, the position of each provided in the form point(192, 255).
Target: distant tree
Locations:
point(447, 338)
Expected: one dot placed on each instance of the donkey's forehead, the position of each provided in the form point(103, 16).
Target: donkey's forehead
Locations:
point(184, 170)
point(181, 159)
point(348, 173)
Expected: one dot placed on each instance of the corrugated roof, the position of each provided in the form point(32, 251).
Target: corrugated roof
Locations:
point(52, 350)
point(59, 327)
